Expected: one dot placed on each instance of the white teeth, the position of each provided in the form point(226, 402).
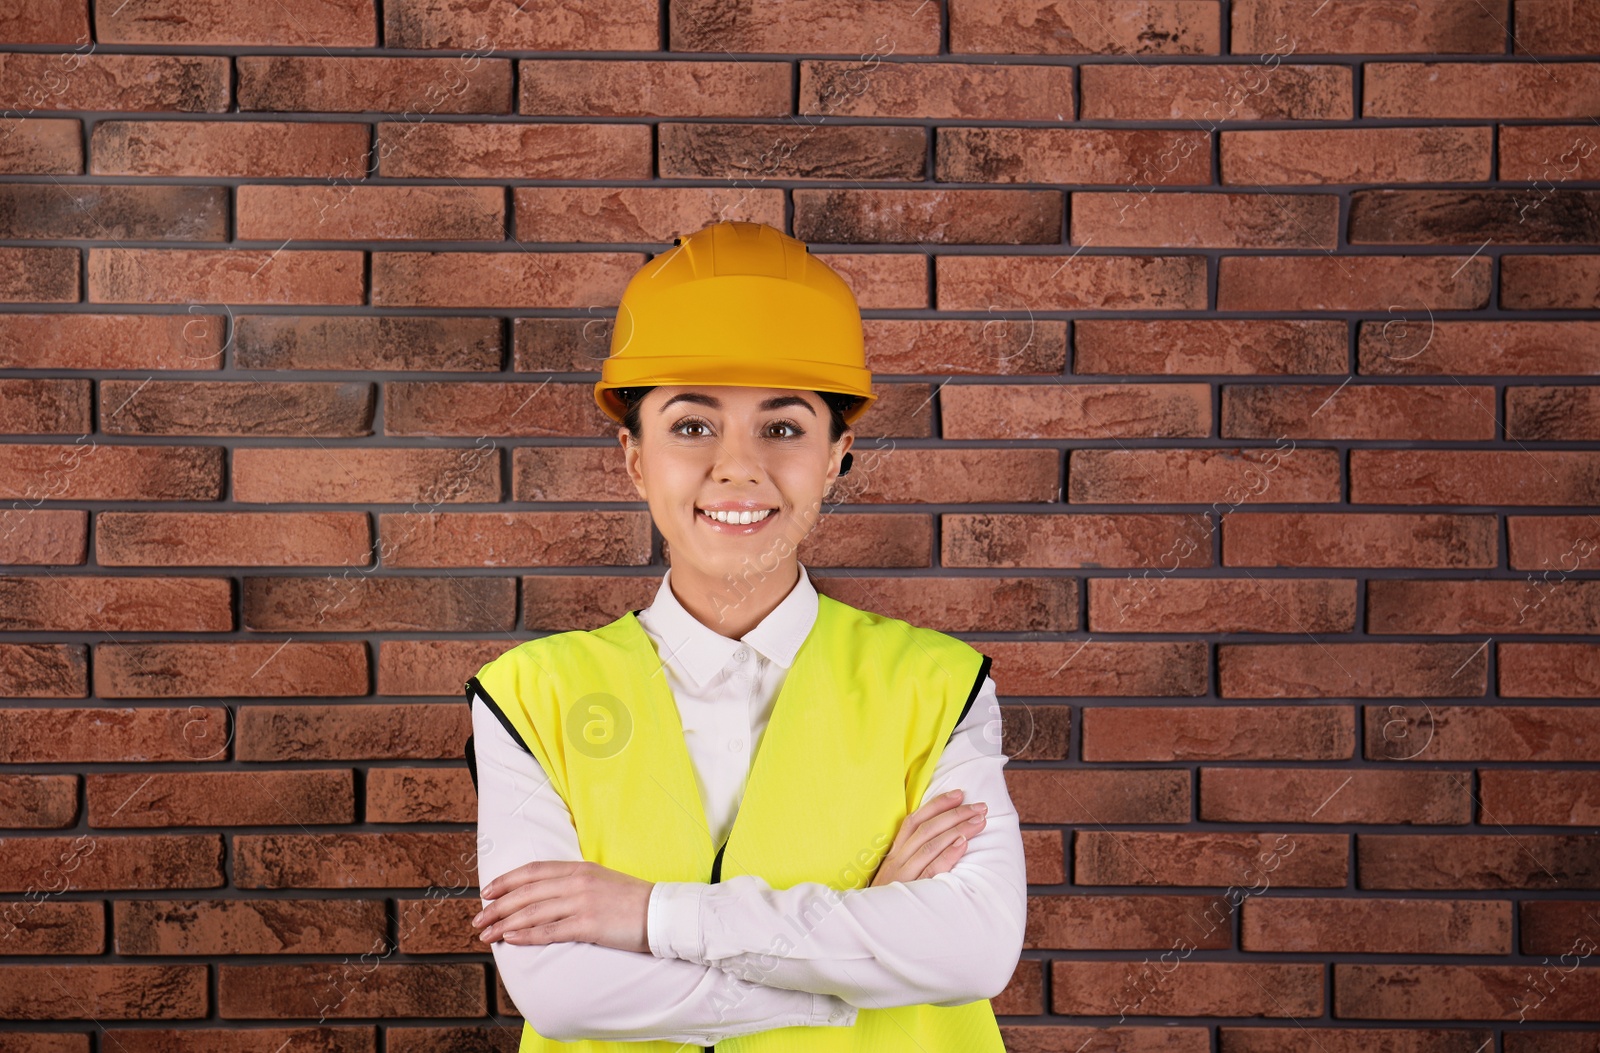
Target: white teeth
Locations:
point(738, 518)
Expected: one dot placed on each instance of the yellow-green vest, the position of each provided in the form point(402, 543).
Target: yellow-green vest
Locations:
point(849, 751)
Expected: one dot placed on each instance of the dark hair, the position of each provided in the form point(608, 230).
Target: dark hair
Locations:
point(838, 406)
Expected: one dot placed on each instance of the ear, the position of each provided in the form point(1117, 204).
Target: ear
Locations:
point(631, 460)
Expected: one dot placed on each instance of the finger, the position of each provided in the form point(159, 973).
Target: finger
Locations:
point(919, 860)
point(945, 861)
point(957, 819)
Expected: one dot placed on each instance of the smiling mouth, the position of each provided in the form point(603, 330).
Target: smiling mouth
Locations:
point(737, 518)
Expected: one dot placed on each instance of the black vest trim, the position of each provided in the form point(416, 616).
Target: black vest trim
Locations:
point(473, 686)
point(983, 671)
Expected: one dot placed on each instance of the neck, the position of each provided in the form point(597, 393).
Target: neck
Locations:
point(729, 605)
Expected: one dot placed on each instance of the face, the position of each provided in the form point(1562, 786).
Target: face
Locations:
point(759, 458)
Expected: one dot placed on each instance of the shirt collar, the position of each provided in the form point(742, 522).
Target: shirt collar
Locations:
point(701, 652)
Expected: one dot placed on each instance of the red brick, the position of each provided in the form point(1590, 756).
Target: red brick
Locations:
point(98, 472)
point(430, 667)
point(1354, 670)
point(454, 150)
point(1331, 795)
point(190, 341)
point(514, 539)
point(1554, 926)
point(655, 89)
point(1091, 922)
point(229, 149)
point(1314, 156)
point(1147, 600)
point(42, 670)
point(38, 275)
point(41, 927)
point(300, 276)
point(456, 345)
point(370, 213)
point(494, 409)
point(501, 279)
point(45, 406)
point(957, 345)
point(758, 153)
point(1200, 988)
point(1228, 859)
point(423, 795)
point(1128, 157)
point(1553, 27)
point(631, 214)
point(1212, 94)
point(1475, 477)
point(1444, 606)
point(232, 539)
point(1351, 924)
point(924, 216)
point(1120, 27)
point(263, 475)
point(47, 21)
point(243, 668)
point(949, 90)
point(1075, 668)
point(438, 925)
point(299, 732)
point(900, 27)
point(121, 863)
point(103, 992)
point(1472, 861)
point(483, 29)
point(40, 802)
point(1431, 412)
point(1550, 546)
point(1548, 154)
point(1568, 413)
point(327, 990)
point(1376, 27)
point(1434, 733)
point(1222, 478)
point(1359, 539)
point(192, 1039)
point(1477, 992)
point(1539, 798)
point(1056, 539)
point(414, 86)
point(1529, 281)
point(1121, 734)
point(961, 604)
point(1230, 221)
point(43, 536)
point(355, 603)
point(353, 860)
point(1497, 90)
point(220, 798)
point(230, 407)
point(1455, 217)
point(102, 733)
point(100, 211)
point(1208, 345)
point(80, 603)
point(284, 23)
point(1431, 347)
point(1352, 283)
point(1025, 284)
point(1076, 411)
point(1100, 796)
point(247, 926)
point(51, 146)
point(183, 83)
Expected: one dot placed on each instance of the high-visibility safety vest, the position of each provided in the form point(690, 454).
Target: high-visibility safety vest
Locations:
point(850, 748)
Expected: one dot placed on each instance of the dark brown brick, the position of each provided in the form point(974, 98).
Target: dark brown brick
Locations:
point(417, 87)
point(759, 152)
point(278, 341)
point(282, 23)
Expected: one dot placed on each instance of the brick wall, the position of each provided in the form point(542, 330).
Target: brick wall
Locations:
point(1234, 364)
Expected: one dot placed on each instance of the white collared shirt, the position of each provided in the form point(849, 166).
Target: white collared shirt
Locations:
point(726, 959)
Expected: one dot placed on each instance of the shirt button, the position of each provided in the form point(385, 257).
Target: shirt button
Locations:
point(735, 745)
point(741, 654)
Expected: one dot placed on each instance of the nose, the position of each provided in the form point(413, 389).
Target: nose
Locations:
point(738, 458)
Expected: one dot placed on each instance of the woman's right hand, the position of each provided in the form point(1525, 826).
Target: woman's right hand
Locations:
point(931, 839)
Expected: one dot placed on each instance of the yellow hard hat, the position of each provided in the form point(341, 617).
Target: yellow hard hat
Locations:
point(737, 305)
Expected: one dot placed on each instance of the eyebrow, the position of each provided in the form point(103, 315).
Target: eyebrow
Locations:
point(777, 402)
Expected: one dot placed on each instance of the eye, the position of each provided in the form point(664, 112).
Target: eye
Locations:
point(689, 422)
point(794, 428)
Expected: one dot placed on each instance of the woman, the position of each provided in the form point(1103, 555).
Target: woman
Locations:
point(644, 880)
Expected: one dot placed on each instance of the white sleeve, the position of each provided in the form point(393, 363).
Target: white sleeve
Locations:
point(946, 940)
point(570, 991)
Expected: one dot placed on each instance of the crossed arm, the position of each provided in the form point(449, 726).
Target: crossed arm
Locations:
point(716, 970)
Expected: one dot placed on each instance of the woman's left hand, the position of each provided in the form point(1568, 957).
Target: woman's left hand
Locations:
point(561, 901)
